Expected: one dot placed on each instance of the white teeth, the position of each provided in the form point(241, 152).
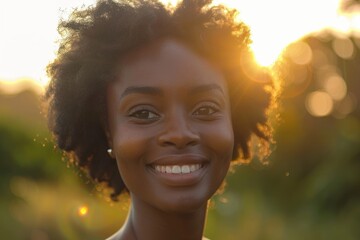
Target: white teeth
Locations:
point(185, 169)
point(176, 169)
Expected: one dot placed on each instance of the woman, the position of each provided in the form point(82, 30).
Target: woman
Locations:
point(155, 102)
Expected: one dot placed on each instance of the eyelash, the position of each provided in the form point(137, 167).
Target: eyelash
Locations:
point(136, 111)
point(214, 108)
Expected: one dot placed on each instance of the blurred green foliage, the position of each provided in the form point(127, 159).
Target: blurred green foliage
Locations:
point(42, 194)
point(309, 190)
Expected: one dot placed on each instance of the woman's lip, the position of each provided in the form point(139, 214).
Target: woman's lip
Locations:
point(179, 159)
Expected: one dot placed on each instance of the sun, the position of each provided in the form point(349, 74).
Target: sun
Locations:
point(275, 24)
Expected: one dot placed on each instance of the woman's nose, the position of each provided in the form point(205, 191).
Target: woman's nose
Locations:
point(177, 132)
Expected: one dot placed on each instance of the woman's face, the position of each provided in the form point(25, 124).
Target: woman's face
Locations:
point(170, 126)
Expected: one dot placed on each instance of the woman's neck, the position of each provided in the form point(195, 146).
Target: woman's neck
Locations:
point(147, 222)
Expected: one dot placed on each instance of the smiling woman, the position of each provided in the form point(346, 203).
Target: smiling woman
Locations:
point(171, 134)
point(154, 102)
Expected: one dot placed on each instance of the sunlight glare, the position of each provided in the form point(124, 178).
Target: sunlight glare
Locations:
point(28, 37)
point(29, 33)
point(275, 24)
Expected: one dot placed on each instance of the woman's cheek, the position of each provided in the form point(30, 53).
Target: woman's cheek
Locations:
point(130, 147)
point(220, 138)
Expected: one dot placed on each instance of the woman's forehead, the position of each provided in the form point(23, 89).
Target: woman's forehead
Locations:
point(169, 46)
point(169, 66)
point(166, 56)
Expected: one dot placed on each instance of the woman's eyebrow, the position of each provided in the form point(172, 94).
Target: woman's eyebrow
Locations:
point(207, 88)
point(141, 90)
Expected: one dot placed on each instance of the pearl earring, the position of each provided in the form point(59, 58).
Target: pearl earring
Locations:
point(110, 152)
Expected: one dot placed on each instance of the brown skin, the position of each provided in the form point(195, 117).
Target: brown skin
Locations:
point(168, 107)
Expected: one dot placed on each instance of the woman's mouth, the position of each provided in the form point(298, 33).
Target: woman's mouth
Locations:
point(180, 170)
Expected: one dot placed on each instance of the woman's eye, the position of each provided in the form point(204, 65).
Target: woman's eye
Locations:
point(206, 110)
point(144, 115)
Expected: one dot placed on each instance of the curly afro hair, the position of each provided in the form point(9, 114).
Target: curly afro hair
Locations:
point(93, 41)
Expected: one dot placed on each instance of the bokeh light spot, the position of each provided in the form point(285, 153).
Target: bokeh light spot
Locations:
point(300, 53)
point(83, 211)
point(343, 47)
point(319, 104)
point(336, 87)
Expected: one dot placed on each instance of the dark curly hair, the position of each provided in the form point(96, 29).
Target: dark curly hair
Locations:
point(94, 39)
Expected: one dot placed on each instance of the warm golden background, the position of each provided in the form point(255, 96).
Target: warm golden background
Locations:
point(309, 190)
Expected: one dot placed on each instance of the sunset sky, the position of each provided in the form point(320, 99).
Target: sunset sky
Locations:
point(28, 29)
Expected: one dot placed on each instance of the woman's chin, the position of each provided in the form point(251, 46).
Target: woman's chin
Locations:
point(184, 205)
